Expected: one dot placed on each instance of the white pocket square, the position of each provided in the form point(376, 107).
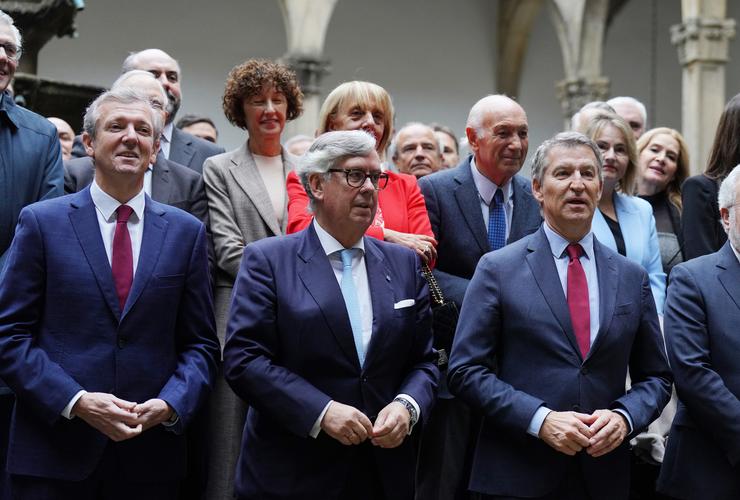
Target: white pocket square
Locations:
point(404, 303)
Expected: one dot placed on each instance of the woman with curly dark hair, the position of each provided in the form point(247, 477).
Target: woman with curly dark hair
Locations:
point(246, 202)
point(701, 225)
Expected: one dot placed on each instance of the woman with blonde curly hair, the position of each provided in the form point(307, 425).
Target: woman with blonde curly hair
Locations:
point(664, 165)
point(247, 201)
point(624, 222)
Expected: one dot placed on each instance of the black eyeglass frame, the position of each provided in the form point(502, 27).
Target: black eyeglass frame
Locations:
point(378, 180)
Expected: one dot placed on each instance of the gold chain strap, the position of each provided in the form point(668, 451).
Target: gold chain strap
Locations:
point(436, 292)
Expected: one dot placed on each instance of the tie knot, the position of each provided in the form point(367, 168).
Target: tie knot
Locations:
point(498, 196)
point(123, 213)
point(347, 255)
point(574, 251)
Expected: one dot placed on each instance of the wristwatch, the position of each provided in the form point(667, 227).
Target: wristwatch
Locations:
point(410, 408)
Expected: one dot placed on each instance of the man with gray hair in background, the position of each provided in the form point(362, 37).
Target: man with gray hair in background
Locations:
point(329, 341)
point(30, 170)
point(416, 150)
point(632, 111)
point(580, 121)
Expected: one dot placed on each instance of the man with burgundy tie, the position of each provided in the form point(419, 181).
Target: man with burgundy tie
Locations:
point(329, 341)
point(107, 333)
point(548, 329)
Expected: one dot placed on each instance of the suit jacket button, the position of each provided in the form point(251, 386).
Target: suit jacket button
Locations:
point(364, 379)
point(584, 371)
point(121, 343)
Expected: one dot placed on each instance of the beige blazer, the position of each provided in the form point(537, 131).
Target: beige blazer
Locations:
point(239, 207)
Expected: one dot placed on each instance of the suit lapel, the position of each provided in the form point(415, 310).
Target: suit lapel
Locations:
point(85, 224)
point(318, 277)
point(180, 150)
point(245, 172)
point(380, 281)
point(161, 186)
point(545, 273)
point(469, 202)
point(730, 276)
point(608, 275)
point(155, 228)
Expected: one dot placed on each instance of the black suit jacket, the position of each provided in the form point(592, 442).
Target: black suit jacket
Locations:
point(185, 149)
point(701, 227)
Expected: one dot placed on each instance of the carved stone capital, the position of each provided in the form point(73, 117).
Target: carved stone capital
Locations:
point(574, 93)
point(309, 70)
point(703, 39)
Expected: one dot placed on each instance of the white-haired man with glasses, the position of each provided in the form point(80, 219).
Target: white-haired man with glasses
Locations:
point(30, 170)
point(329, 340)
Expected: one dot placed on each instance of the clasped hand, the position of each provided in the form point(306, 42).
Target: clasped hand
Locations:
point(570, 432)
point(117, 418)
point(349, 426)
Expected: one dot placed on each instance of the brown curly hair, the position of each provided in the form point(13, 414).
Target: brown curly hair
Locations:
point(247, 80)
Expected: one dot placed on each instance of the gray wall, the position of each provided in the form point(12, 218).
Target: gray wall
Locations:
point(435, 57)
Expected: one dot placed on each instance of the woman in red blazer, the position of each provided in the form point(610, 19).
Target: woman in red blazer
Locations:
point(402, 215)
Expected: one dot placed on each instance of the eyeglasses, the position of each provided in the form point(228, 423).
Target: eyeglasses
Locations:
point(11, 50)
point(356, 178)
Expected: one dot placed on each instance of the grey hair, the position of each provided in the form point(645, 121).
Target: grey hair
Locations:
point(121, 95)
point(728, 189)
point(328, 150)
point(130, 62)
point(616, 101)
point(594, 105)
point(121, 80)
point(479, 109)
point(393, 149)
point(567, 140)
point(13, 29)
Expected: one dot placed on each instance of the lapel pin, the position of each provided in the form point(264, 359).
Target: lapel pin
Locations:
point(387, 277)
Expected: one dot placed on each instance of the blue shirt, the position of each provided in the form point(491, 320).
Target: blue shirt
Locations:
point(31, 166)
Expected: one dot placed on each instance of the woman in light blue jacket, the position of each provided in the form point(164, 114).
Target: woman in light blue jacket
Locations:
point(624, 222)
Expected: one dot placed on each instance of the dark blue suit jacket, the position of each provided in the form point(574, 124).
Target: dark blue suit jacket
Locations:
point(289, 351)
point(462, 238)
point(515, 351)
point(61, 331)
point(30, 165)
point(702, 330)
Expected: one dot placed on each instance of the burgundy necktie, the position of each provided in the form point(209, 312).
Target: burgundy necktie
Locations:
point(580, 315)
point(122, 260)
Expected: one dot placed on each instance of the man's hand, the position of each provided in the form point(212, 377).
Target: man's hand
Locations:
point(567, 431)
point(420, 243)
point(391, 426)
point(607, 432)
point(110, 415)
point(152, 412)
point(346, 424)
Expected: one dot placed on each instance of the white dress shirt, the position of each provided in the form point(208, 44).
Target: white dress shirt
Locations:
point(486, 189)
point(558, 245)
point(332, 248)
point(105, 209)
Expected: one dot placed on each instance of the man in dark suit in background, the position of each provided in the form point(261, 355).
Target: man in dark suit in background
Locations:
point(702, 314)
point(479, 206)
point(548, 330)
point(177, 146)
point(329, 341)
point(30, 170)
point(107, 333)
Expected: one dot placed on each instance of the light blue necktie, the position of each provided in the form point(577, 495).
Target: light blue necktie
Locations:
point(497, 221)
point(349, 292)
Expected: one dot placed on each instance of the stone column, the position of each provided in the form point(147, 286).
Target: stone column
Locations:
point(580, 26)
point(702, 41)
point(306, 24)
point(515, 21)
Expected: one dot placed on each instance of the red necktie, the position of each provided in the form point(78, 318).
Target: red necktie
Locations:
point(122, 260)
point(580, 315)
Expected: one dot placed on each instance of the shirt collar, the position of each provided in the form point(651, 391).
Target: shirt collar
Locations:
point(486, 187)
point(167, 133)
point(107, 205)
point(330, 244)
point(558, 243)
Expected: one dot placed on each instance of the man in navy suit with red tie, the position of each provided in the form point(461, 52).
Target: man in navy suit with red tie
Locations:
point(329, 341)
point(107, 333)
point(548, 329)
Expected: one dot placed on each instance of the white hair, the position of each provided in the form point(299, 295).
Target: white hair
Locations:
point(616, 101)
point(5, 18)
point(728, 189)
point(121, 81)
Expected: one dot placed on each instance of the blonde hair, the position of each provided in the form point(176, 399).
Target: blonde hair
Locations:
point(364, 94)
point(673, 189)
point(628, 183)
